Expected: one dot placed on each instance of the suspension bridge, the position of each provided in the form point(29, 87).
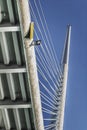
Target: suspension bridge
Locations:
point(33, 81)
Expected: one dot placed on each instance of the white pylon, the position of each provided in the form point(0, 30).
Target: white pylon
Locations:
point(65, 62)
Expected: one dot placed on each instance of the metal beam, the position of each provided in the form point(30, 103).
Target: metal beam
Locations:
point(10, 11)
point(9, 28)
point(21, 79)
point(27, 118)
point(17, 119)
point(7, 104)
point(17, 51)
point(14, 35)
point(16, 48)
point(6, 119)
point(2, 95)
point(11, 85)
point(12, 69)
point(6, 59)
point(4, 47)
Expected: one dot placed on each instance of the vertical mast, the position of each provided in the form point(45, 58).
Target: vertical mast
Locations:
point(31, 64)
point(65, 62)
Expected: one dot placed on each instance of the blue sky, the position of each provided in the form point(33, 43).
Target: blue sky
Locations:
point(59, 13)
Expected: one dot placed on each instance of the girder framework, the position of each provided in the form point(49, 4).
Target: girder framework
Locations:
point(15, 100)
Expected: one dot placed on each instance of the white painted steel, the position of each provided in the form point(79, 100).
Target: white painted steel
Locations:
point(1, 90)
point(14, 69)
point(9, 28)
point(11, 85)
point(6, 119)
point(14, 35)
point(65, 76)
point(28, 123)
point(15, 106)
point(6, 59)
point(0, 15)
point(17, 119)
point(18, 59)
point(4, 47)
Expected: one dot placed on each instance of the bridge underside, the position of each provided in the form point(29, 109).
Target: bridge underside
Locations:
point(15, 100)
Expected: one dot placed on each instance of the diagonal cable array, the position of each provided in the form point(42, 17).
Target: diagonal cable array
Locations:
point(50, 72)
point(21, 100)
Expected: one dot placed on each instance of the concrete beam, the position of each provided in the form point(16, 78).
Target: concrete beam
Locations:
point(25, 21)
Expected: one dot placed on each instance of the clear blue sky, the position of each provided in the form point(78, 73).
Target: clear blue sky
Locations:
point(58, 14)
